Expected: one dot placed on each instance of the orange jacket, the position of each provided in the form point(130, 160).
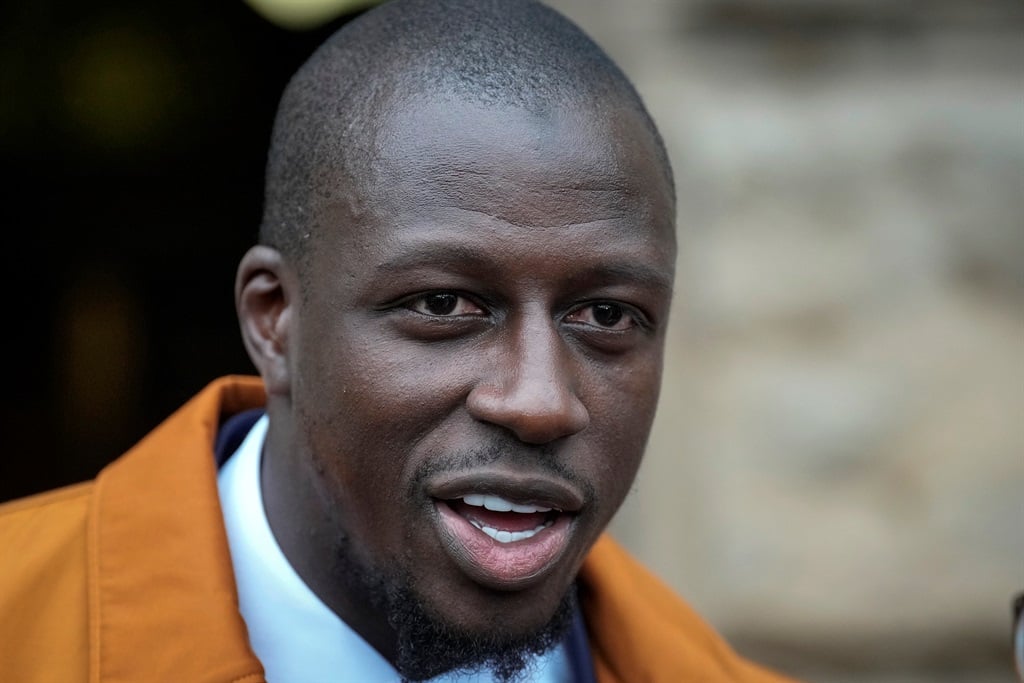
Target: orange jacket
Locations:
point(128, 579)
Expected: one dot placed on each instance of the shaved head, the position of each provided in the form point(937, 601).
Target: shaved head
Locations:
point(502, 53)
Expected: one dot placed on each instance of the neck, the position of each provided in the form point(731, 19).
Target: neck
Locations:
point(301, 522)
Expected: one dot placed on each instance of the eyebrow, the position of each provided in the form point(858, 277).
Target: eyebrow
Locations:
point(638, 273)
point(433, 255)
point(461, 257)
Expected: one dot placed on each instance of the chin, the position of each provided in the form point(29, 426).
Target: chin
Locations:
point(502, 635)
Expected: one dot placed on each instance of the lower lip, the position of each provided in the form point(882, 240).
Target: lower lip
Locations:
point(502, 566)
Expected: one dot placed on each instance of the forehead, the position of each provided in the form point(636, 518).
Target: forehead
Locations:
point(511, 195)
point(560, 166)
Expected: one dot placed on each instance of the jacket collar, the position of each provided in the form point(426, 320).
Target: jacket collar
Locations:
point(155, 520)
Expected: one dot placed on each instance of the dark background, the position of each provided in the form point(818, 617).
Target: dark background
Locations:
point(132, 145)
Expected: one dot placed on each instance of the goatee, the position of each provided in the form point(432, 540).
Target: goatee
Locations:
point(428, 646)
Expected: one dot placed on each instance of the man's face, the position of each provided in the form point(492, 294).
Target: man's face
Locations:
point(484, 331)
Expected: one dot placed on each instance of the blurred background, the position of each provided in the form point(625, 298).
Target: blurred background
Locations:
point(836, 477)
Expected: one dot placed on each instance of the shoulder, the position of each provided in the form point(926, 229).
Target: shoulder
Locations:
point(43, 585)
point(44, 537)
point(641, 630)
point(47, 499)
point(43, 520)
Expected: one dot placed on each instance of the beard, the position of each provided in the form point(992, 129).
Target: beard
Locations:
point(428, 646)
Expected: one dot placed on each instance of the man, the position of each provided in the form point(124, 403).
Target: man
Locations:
point(457, 309)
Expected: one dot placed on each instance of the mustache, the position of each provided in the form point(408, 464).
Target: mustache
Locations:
point(542, 458)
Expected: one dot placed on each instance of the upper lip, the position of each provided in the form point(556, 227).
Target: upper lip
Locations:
point(518, 487)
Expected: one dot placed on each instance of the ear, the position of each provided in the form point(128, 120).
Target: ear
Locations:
point(266, 290)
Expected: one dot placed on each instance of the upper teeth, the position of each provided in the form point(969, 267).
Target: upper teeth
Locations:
point(498, 504)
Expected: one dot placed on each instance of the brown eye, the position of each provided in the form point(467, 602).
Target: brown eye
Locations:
point(444, 305)
point(440, 304)
point(607, 315)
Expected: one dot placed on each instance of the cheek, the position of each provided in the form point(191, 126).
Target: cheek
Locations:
point(397, 390)
point(365, 404)
point(623, 395)
point(622, 405)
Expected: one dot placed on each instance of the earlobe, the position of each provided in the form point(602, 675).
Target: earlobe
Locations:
point(265, 291)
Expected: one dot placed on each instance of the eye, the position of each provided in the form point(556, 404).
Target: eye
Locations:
point(606, 315)
point(443, 304)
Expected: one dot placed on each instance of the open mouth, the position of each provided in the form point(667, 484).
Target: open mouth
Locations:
point(503, 520)
point(503, 542)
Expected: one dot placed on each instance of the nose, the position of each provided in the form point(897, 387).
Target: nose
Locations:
point(528, 387)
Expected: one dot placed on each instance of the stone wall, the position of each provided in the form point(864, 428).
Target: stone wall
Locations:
point(836, 478)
